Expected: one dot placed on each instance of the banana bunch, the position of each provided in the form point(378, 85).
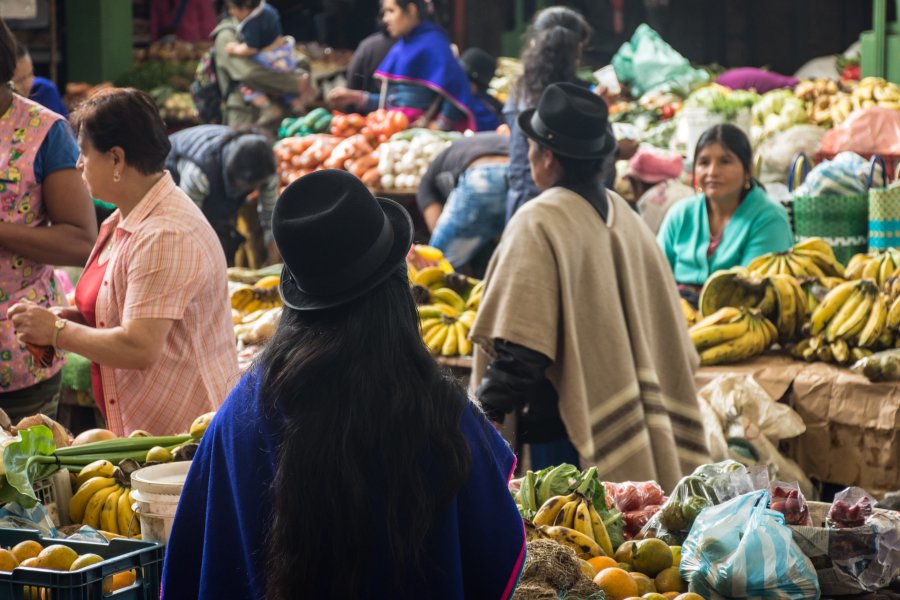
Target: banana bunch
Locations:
point(690, 315)
point(421, 257)
point(878, 266)
point(446, 315)
point(103, 500)
point(875, 91)
point(784, 303)
point(891, 287)
point(247, 299)
point(732, 335)
point(818, 348)
point(574, 522)
point(854, 311)
point(822, 98)
point(732, 287)
point(810, 258)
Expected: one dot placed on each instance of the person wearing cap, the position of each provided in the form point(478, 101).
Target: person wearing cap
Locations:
point(579, 331)
point(653, 175)
point(480, 67)
point(371, 473)
point(222, 168)
point(151, 312)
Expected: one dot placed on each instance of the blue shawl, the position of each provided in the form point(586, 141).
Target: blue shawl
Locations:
point(216, 548)
point(424, 57)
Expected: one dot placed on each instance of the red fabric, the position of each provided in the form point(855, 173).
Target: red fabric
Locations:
point(713, 244)
point(197, 23)
point(86, 301)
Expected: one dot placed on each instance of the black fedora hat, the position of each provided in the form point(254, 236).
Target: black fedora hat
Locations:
point(337, 240)
point(571, 121)
point(479, 66)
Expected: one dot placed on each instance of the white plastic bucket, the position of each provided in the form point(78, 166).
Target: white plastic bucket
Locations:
point(157, 490)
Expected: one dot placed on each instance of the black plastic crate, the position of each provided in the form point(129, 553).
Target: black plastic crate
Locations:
point(146, 558)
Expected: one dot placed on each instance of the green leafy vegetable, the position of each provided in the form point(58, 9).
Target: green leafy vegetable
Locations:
point(555, 481)
point(28, 460)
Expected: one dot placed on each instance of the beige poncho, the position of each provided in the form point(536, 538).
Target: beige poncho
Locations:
point(600, 301)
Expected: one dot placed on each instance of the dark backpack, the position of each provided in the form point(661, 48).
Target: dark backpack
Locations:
point(206, 91)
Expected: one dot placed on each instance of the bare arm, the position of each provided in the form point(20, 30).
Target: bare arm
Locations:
point(431, 214)
point(73, 226)
point(136, 344)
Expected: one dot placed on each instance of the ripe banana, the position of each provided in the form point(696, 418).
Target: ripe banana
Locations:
point(86, 491)
point(450, 345)
point(583, 520)
point(735, 350)
point(583, 546)
point(429, 276)
point(98, 468)
point(428, 324)
point(546, 514)
point(856, 320)
point(840, 351)
point(566, 516)
point(447, 296)
point(95, 506)
point(705, 337)
point(787, 309)
point(825, 261)
point(436, 338)
point(463, 343)
point(761, 264)
point(432, 311)
point(829, 306)
point(875, 323)
point(601, 536)
point(109, 515)
point(467, 318)
point(893, 318)
point(805, 266)
point(124, 514)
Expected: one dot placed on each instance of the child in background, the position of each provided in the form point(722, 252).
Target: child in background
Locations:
point(260, 29)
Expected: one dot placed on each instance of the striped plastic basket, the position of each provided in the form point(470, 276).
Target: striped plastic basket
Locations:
point(884, 216)
point(842, 221)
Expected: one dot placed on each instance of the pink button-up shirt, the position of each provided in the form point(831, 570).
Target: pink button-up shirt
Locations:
point(167, 263)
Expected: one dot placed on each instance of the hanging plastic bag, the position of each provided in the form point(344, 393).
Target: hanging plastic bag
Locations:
point(851, 507)
point(741, 549)
point(647, 63)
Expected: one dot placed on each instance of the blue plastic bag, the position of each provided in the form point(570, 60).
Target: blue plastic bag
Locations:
point(741, 549)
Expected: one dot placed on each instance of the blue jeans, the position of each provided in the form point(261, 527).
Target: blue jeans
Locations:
point(551, 454)
point(474, 214)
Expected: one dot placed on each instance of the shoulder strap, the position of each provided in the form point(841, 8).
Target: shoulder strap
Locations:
point(179, 14)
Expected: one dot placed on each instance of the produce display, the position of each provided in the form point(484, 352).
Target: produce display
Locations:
point(732, 334)
point(405, 158)
point(827, 101)
point(255, 309)
point(789, 501)
point(57, 557)
point(775, 111)
point(317, 120)
point(447, 303)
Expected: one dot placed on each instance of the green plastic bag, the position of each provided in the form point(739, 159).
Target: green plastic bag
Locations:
point(647, 63)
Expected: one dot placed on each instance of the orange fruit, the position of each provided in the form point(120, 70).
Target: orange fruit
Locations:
point(8, 560)
point(689, 596)
point(644, 583)
point(616, 583)
point(653, 596)
point(651, 556)
point(25, 550)
point(669, 580)
point(602, 562)
point(57, 557)
point(118, 581)
point(671, 595)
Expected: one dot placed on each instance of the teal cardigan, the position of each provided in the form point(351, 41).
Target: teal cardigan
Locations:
point(758, 226)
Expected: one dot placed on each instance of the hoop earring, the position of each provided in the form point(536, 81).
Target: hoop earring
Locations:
point(116, 176)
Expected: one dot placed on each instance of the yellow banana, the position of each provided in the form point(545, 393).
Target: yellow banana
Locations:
point(109, 520)
point(477, 288)
point(875, 323)
point(428, 324)
point(767, 305)
point(787, 315)
point(857, 319)
point(566, 516)
point(601, 536)
point(843, 314)
point(815, 244)
point(546, 514)
point(98, 468)
point(431, 311)
point(893, 318)
point(447, 296)
point(826, 261)
point(807, 265)
point(436, 338)
point(269, 281)
point(704, 337)
point(735, 350)
point(860, 353)
point(840, 351)
point(428, 276)
point(886, 269)
point(870, 271)
point(856, 264)
point(771, 331)
point(829, 306)
point(124, 513)
point(95, 506)
point(760, 263)
point(450, 346)
point(467, 318)
point(464, 344)
point(583, 520)
point(583, 546)
point(85, 492)
point(473, 301)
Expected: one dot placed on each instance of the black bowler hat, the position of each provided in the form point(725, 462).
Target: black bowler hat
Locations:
point(337, 240)
point(570, 121)
point(479, 66)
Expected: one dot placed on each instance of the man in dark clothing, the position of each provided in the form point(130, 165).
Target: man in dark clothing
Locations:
point(221, 168)
point(462, 195)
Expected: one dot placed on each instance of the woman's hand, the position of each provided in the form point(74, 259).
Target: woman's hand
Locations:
point(34, 324)
point(342, 96)
point(68, 313)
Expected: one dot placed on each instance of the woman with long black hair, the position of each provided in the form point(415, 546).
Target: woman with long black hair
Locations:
point(345, 464)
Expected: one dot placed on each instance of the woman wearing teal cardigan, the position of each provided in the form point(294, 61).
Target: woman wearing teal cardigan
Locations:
point(730, 223)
